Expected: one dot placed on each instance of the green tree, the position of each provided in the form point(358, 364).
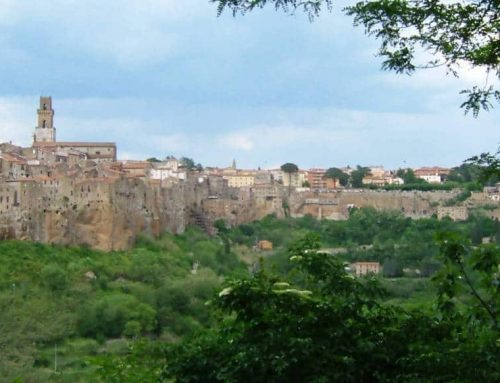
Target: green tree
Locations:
point(54, 277)
point(357, 176)
point(392, 268)
point(289, 169)
point(489, 165)
point(474, 269)
point(409, 177)
point(452, 32)
point(466, 172)
point(222, 231)
point(337, 174)
point(110, 314)
point(153, 159)
point(141, 364)
point(331, 327)
point(188, 163)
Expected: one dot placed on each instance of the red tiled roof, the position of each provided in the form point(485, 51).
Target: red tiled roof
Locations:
point(76, 143)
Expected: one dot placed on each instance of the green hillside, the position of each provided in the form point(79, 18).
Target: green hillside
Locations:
point(72, 314)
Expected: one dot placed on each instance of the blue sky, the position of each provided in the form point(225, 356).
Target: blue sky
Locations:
point(169, 77)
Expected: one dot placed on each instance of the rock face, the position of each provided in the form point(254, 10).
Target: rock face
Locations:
point(77, 193)
point(336, 205)
point(104, 213)
point(108, 211)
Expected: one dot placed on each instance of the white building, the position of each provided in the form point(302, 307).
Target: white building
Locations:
point(170, 168)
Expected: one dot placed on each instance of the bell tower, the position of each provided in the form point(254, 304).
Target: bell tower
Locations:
point(45, 131)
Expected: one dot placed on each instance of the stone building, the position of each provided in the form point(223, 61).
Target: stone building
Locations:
point(317, 179)
point(456, 213)
point(364, 268)
point(44, 140)
point(77, 193)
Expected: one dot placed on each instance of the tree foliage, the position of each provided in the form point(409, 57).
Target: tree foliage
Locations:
point(409, 177)
point(88, 302)
point(474, 269)
point(489, 166)
point(312, 7)
point(323, 325)
point(338, 175)
point(289, 169)
point(453, 34)
point(100, 307)
point(357, 176)
point(188, 163)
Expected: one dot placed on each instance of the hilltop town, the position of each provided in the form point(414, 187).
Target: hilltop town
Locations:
point(81, 193)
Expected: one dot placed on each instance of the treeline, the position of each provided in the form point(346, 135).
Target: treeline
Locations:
point(470, 176)
point(319, 324)
point(60, 306)
point(72, 314)
point(388, 237)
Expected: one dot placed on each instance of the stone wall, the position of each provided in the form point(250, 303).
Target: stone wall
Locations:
point(336, 205)
point(105, 213)
point(89, 204)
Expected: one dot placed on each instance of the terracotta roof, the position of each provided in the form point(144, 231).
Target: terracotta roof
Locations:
point(76, 143)
point(114, 170)
point(136, 165)
point(13, 158)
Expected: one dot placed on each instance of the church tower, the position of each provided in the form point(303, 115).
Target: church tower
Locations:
point(45, 131)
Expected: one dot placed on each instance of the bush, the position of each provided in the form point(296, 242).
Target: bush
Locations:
point(54, 278)
point(108, 315)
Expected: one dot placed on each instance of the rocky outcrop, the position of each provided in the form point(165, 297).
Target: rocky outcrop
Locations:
point(108, 212)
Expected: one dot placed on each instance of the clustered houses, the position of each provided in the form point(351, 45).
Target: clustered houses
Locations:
point(378, 176)
point(78, 192)
point(433, 175)
point(317, 180)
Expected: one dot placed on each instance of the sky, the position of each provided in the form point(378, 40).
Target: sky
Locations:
point(169, 77)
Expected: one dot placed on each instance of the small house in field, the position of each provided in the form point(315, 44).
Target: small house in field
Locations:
point(265, 245)
point(363, 268)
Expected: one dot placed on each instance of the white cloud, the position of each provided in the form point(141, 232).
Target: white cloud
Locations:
point(243, 141)
point(129, 33)
point(340, 137)
point(17, 120)
point(310, 137)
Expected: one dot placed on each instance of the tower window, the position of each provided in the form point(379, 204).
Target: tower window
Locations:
point(44, 124)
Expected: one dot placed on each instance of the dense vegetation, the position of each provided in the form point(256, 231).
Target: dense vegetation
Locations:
point(387, 237)
point(88, 303)
point(320, 324)
point(70, 314)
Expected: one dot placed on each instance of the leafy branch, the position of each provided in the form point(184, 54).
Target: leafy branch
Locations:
point(454, 34)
